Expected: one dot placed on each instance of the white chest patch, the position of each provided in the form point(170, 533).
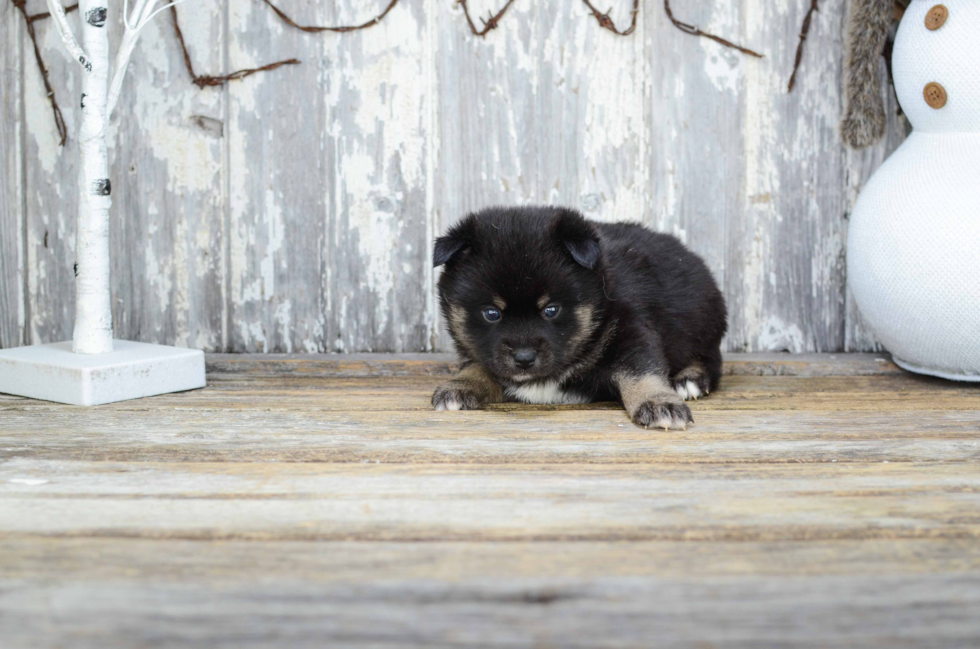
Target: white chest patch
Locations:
point(547, 392)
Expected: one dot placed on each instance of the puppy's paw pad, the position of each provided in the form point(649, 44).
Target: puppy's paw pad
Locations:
point(450, 397)
point(660, 414)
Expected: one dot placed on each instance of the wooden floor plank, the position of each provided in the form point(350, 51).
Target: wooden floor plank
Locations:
point(437, 503)
point(749, 612)
point(60, 559)
point(488, 437)
point(818, 501)
point(879, 393)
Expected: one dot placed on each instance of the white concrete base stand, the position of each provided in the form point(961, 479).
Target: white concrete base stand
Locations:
point(132, 370)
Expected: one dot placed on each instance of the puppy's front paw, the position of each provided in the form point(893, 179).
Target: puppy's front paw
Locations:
point(455, 396)
point(663, 413)
point(692, 382)
point(692, 388)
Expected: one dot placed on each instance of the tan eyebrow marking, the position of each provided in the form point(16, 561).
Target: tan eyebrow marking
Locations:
point(499, 302)
point(543, 301)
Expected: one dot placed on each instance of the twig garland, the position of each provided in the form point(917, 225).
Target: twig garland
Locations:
point(490, 23)
point(202, 81)
point(804, 30)
point(694, 31)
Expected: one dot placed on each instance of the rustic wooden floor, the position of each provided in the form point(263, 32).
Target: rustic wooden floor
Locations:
point(818, 501)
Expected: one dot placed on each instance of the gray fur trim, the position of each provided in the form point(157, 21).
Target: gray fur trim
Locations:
point(868, 22)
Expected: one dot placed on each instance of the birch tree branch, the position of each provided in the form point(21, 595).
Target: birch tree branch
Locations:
point(143, 13)
point(67, 38)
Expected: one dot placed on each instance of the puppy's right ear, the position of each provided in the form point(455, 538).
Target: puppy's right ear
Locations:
point(453, 242)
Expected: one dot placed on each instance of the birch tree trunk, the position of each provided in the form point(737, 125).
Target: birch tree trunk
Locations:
point(93, 306)
point(93, 303)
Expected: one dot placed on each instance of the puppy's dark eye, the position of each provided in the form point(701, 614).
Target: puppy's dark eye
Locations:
point(491, 314)
point(551, 311)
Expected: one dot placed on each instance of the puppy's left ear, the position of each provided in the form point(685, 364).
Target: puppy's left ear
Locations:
point(579, 238)
point(453, 242)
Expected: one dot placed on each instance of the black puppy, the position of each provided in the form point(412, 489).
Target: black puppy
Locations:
point(547, 307)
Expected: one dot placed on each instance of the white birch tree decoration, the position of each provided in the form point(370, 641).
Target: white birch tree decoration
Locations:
point(93, 309)
point(92, 369)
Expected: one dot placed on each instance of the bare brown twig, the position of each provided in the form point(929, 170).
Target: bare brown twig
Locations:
point(202, 81)
point(694, 31)
point(606, 22)
point(804, 30)
point(491, 21)
point(345, 28)
point(59, 119)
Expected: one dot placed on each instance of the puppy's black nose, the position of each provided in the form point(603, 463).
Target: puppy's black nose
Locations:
point(524, 358)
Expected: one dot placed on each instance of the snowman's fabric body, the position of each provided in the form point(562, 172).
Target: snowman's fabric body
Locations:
point(914, 237)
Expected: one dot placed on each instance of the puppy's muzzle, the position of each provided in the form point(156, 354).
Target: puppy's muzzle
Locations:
point(524, 358)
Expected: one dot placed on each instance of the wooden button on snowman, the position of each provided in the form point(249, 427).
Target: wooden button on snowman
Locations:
point(936, 17)
point(913, 253)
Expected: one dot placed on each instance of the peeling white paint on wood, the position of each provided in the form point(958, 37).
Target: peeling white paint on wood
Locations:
point(293, 211)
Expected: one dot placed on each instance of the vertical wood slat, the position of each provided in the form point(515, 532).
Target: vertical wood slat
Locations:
point(165, 147)
point(786, 242)
point(12, 304)
point(329, 182)
point(377, 133)
point(695, 111)
point(50, 187)
point(334, 175)
point(277, 199)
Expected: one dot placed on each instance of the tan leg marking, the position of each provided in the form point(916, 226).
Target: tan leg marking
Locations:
point(471, 388)
point(650, 401)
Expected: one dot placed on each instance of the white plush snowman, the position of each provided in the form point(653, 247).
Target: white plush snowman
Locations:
point(913, 253)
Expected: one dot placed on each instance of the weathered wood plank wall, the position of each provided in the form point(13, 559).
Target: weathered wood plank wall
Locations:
point(11, 181)
point(294, 210)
